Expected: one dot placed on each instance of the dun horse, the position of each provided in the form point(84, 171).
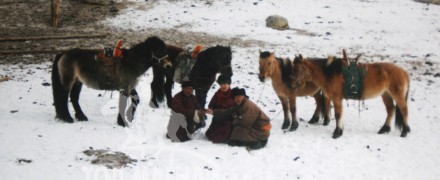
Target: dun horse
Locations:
point(280, 71)
point(380, 79)
point(78, 66)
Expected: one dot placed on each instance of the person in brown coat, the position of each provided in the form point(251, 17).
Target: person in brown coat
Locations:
point(221, 126)
point(182, 121)
point(251, 126)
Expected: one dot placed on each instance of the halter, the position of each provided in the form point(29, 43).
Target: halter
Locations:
point(159, 59)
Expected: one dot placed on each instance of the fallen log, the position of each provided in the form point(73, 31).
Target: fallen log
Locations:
point(51, 37)
point(47, 51)
point(5, 79)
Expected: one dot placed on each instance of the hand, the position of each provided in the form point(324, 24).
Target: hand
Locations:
point(209, 111)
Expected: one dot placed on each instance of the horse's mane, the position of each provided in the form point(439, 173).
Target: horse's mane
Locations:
point(286, 69)
point(330, 70)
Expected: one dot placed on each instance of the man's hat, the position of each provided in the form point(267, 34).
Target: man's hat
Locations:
point(238, 91)
point(187, 84)
point(222, 79)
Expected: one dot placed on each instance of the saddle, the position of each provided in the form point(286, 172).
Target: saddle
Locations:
point(354, 75)
point(186, 61)
point(109, 56)
point(111, 61)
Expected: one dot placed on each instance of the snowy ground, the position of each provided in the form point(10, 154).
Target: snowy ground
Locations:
point(404, 32)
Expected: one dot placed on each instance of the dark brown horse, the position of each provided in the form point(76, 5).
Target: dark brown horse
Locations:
point(380, 79)
point(76, 67)
point(163, 82)
point(280, 71)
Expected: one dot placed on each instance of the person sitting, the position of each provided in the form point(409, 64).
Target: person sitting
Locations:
point(251, 126)
point(182, 122)
point(221, 126)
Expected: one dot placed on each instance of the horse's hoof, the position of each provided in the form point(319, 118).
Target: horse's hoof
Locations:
point(67, 119)
point(285, 125)
point(326, 122)
point(314, 120)
point(81, 117)
point(120, 121)
point(337, 133)
point(294, 126)
point(154, 104)
point(385, 129)
point(405, 131)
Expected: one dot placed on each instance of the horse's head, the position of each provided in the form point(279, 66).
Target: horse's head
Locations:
point(347, 60)
point(158, 49)
point(300, 73)
point(267, 62)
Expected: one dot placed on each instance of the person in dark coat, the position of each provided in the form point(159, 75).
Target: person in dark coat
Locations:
point(251, 126)
point(221, 126)
point(183, 121)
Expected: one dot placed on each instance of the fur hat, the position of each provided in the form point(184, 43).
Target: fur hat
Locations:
point(238, 91)
point(187, 84)
point(222, 79)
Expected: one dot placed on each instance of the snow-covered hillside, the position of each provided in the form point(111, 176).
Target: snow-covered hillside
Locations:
point(404, 32)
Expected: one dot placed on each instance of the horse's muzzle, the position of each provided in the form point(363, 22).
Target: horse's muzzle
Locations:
point(262, 79)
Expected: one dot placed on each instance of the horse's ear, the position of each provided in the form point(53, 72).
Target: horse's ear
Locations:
point(344, 57)
point(298, 59)
point(272, 53)
point(358, 57)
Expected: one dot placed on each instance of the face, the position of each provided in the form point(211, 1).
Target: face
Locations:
point(188, 90)
point(225, 87)
point(265, 67)
point(299, 75)
point(238, 99)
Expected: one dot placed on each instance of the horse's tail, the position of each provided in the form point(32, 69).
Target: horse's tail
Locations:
point(57, 88)
point(399, 116)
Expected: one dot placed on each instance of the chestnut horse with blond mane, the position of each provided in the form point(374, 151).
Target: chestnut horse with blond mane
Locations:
point(279, 70)
point(381, 79)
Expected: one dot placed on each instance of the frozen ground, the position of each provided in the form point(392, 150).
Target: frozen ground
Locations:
point(404, 32)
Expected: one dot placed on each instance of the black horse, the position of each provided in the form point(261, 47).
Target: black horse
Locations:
point(78, 66)
point(163, 82)
point(207, 64)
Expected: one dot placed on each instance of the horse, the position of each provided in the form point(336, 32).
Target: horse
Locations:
point(208, 63)
point(379, 79)
point(76, 67)
point(163, 82)
point(280, 70)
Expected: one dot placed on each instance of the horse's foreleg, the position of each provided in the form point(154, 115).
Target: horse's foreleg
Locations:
point(338, 115)
point(74, 97)
point(292, 104)
point(168, 88)
point(326, 110)
point(319, 106)
point(389, 105)
point(285, 104)
point(157, 86)
point(123, 97)
point(201, 96)
point(134, 102)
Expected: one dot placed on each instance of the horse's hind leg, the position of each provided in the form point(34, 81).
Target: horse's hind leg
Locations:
point(285, 104)
point(134, 102)
point(74, 97)
point(402, 116)
point(123, 97)
point(337, 102)
point(389, 105)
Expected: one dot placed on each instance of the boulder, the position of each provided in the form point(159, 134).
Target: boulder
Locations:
point(277, 22)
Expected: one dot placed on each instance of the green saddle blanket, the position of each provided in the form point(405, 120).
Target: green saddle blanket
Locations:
point(354, 75)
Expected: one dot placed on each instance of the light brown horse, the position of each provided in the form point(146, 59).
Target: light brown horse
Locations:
point(279, 70)
point(381, 79)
